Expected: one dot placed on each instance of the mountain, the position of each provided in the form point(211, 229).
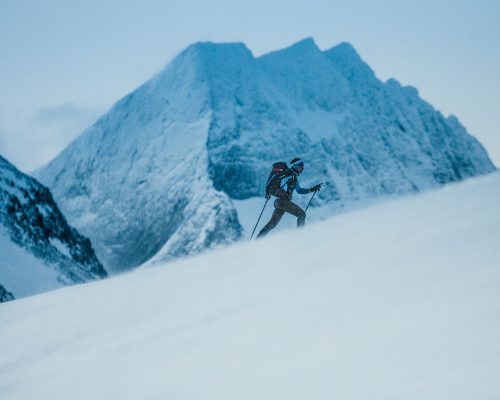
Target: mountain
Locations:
point(158, 175)
point(40, 251)
point(395, 301)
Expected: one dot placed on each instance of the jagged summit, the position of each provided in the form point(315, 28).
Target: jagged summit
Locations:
point(307, 43)
point(346, 59)
point(157, 175)
point(303, 48)
point(344, 51)
point(202, 61)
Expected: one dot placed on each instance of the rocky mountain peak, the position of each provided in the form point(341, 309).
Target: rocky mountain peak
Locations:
point(31, 223)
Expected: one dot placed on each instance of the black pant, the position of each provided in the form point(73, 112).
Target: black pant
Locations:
point(281, 206)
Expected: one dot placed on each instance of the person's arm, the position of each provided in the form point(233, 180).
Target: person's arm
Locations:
point(300, 190)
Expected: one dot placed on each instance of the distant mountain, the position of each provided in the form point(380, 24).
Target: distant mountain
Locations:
point(157, 174)
point(39, 250)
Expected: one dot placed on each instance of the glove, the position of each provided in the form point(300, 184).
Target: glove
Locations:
point(316, 188)
point(267, 196)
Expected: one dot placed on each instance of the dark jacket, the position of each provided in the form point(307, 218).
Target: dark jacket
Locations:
point(288, 184)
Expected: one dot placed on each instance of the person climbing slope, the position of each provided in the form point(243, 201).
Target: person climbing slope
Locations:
point(281, 183)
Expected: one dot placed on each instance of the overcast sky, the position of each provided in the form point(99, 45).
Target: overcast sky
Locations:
point(63, 62)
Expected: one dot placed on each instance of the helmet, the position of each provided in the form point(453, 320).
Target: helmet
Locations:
point(297, 165)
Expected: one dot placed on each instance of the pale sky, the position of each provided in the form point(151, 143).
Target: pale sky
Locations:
point(65, 62)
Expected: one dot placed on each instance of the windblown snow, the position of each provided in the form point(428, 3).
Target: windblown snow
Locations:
point(396, 301)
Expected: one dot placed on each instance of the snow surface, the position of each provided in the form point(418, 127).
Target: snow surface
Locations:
point(60, 246)
point(21, 272)
point(396, 301)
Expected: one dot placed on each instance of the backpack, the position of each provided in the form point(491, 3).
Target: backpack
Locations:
point(278, 172)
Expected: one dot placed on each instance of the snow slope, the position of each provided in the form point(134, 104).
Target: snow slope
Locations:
point(23, 273)
point(396, 301)
point(157, 175)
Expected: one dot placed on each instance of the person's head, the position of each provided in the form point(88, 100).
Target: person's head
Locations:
point(297, 165)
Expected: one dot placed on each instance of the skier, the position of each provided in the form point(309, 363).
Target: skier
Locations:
point(283, 193)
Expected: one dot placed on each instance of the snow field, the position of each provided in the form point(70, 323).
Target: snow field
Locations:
point(399, 300)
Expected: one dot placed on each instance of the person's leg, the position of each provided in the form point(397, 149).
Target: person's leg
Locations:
point(295, 210)
point(277, 214)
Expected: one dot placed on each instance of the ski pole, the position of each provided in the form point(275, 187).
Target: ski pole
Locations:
point(265, 204)
point(321, 184)
point(312, 197)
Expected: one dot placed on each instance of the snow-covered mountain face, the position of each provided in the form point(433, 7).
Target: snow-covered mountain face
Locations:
point(157, 174)
point(39, 250)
